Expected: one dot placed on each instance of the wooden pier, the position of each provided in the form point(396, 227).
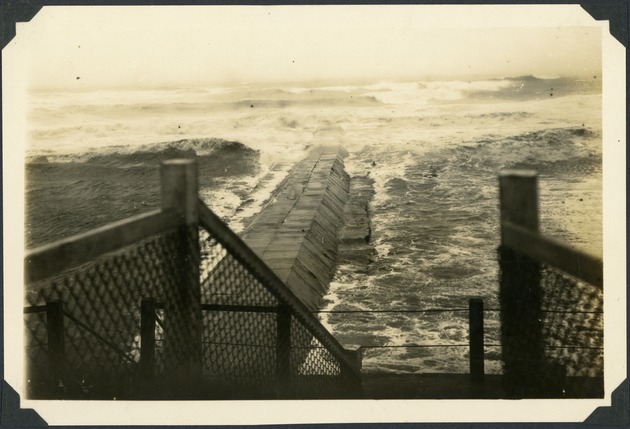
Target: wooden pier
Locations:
point(296, 233)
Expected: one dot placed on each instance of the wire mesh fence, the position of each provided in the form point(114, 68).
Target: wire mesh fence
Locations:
point(189, 312)
point(551, 298)
point(99, 332)
point(573, 325)
point(552, 330)
point(257, 341)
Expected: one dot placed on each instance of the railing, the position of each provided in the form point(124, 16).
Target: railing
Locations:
point(551, 299)
point(172, 304)
point(474, 346)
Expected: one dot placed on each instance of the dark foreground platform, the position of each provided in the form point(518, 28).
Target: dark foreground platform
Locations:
point(411, 386)
point(431, 386)
point(460, 386)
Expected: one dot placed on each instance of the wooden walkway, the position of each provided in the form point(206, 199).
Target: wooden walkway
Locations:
point(296, 232)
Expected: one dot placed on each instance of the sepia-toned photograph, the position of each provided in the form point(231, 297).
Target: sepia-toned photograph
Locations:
point(349, 203)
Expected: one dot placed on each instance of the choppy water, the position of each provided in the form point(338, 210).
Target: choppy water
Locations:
point(433, 150)
point(435, 229)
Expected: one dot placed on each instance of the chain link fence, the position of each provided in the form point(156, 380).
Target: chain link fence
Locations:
point(189, 312)
point(98, 336)
point(573, 324)
point(551, 296)
point(552, 330)
point(257, 342)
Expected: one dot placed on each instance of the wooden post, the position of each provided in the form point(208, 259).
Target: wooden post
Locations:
point(56, 339)
point(357, 358)
point(283, 351)
point(475, 329)
point(147, 339)
point(182, 304)
point(354, 390)
point(520, 293)
point(180, 188)
point(519, 197)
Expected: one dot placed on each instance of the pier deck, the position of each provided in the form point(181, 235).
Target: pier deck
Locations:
point(296, 232)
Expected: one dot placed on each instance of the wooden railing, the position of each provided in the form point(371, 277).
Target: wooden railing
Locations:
point(554, 252)
point(50, 259)
point(266, 276)
point(519, 230)
point(182, 215)
point(523, 253)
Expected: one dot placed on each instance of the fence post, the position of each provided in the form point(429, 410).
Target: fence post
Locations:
point(355, 390)
point(520, 292)
point(56, 338)
point(357, 358)
point(283, 350)
point(147, 339)
point(182, 304)
point(475, 329)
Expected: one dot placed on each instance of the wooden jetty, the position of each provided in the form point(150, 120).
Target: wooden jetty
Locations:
point(296, 233)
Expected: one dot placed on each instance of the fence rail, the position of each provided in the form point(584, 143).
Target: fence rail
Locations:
point(151, 323)
point(266, 276)
point(47, 260)
point(554, 252)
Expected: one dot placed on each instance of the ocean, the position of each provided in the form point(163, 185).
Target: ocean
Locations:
point(433, 150)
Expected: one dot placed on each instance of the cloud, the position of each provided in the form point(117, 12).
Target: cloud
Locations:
point(153, 46)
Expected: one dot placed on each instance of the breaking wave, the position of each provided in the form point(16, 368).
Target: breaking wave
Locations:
point(432, 150)
point(150, 155)
point(72, 193)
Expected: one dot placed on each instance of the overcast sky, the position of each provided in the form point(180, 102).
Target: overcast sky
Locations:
point(164, 46)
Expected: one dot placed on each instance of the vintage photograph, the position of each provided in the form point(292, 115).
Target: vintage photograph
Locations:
point(281, 202)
